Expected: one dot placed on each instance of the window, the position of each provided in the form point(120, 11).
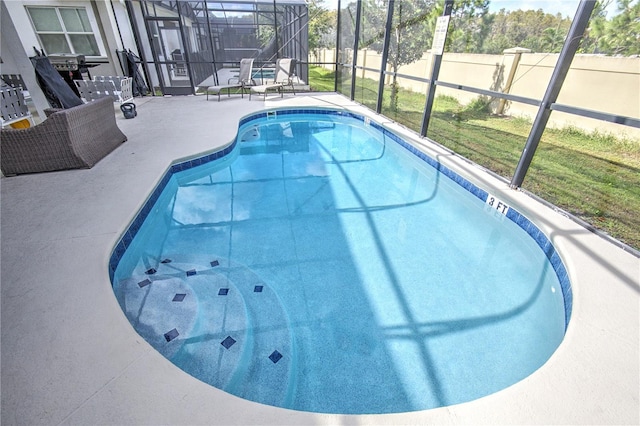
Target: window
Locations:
point(64, 30)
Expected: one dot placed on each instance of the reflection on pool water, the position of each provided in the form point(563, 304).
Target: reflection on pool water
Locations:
point(322, 264)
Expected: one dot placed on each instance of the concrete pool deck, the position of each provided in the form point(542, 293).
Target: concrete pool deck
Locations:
point(70, 356)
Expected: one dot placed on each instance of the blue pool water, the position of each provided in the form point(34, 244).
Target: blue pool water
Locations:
point(264, 74)
point(322, 264)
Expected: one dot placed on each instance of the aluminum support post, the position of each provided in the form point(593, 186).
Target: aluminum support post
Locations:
point(337, 65)
point(571, 44)
point(385, 54)
point(356, 43)
point(431, 91)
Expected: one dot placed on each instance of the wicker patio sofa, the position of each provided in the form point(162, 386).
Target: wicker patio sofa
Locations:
point(72, 138)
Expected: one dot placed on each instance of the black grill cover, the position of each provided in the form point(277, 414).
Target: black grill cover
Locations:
point(56, 90)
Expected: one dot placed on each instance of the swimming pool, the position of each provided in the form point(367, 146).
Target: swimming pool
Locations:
point(321, 263)
point(263, 74)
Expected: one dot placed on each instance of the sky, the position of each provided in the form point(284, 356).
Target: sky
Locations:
point(564, 7)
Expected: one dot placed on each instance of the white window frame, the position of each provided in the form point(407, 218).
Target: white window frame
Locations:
point(95, 31)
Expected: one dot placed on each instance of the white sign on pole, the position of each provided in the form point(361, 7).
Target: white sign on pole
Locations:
point(440, 35)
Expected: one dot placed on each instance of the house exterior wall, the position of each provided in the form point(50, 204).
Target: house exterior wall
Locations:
point(111, 28)
point(15, 60)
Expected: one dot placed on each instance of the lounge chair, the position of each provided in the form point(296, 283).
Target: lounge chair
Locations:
point(283, 77)
point(243, 80)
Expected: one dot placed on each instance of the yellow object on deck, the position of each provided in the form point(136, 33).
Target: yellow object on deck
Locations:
point(22, 124)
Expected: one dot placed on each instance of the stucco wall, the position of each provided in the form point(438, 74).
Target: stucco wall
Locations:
point(598, 83)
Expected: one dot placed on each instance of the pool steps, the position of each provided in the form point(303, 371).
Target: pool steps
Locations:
point(220, 304)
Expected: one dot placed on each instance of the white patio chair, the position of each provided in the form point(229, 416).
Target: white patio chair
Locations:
point(13, 108)
point(117, 88)
point(283, 77)
point(244, 79)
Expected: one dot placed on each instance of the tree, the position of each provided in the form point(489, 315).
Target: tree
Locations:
point(622, 33)
point(347, 30)
point(552, 40)
point(470, 24)
point(544, 32)
point(322, 26)
point(412, 27)
point(597, 24)
point(412, 30)
point(533, 29)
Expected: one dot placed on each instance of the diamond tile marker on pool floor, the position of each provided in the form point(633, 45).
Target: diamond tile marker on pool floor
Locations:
point(275, 356)
point(170, 335)
point(228, 342)
point(179, 297)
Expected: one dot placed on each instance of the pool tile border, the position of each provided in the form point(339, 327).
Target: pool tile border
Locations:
point(512, 214)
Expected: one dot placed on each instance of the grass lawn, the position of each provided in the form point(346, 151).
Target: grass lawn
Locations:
point(595, 177)
point(321, 79)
